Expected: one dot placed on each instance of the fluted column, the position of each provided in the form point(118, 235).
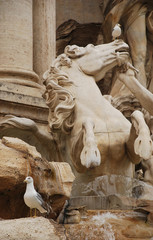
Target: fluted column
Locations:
point(16, 41)
point(44, 33)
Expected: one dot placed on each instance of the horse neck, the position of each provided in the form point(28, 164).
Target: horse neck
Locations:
point(76, 74)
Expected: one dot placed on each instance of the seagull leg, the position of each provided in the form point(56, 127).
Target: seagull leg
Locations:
point(30, 212)
point(35, 213)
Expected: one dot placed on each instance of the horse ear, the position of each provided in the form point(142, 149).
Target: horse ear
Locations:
point(74, 51)
point(69, 50)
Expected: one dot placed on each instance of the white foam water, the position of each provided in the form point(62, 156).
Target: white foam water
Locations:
point(106, 228)
point(101, 218)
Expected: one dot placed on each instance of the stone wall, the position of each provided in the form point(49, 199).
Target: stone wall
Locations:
point(83, 11)
point(77, 22)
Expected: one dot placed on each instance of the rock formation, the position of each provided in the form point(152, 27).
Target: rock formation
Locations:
point(18, 160)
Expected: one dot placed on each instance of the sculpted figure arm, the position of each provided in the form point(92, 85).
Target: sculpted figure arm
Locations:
point(137, 40)
point(132, 16)
point(144, 96)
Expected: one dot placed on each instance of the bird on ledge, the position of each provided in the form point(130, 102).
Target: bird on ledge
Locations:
point(33, 199)
point(116, 31)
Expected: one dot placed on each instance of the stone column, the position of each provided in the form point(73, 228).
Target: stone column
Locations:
point(16, 42)
point(44, 33)
point(20, 91)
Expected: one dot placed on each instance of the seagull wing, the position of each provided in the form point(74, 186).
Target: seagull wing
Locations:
point(39, 197)
point(42, 202)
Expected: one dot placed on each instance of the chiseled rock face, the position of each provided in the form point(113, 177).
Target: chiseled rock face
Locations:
point(18, 160)
point(28, 228)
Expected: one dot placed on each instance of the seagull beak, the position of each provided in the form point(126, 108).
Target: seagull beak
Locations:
point(25, 181)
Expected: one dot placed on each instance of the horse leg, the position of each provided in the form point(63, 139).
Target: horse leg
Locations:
point(139, 144)
point(90, 155)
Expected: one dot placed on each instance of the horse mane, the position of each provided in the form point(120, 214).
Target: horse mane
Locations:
point(60, 101)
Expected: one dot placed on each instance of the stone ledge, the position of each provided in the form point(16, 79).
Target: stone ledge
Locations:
point(36, 113)
point(23, 101)
point(22, 87)
point(99, 202)
point(23, 94)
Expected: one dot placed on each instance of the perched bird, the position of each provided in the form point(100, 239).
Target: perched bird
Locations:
point(33, 199)
point(116, 31)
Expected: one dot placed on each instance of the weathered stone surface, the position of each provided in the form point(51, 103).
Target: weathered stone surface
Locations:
point(70, 214)
point(62, 173)
point(29, 228)
point(94, 225)
point(18, 160)
point(30, 100)
point(98, 192)
point(82, 11)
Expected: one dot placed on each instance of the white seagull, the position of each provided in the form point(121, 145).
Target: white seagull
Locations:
point(116, 31)
point(33, 199)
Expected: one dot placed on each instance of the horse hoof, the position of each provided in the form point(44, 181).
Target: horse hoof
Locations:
point(90, 157)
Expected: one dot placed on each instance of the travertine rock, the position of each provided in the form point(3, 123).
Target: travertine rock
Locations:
point(29, 228)
point(95, 225)
point(62, 174)
point(18, 160)
point(71, 215)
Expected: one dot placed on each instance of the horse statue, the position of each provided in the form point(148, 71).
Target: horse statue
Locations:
point(85, 129)
point(89, 131)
